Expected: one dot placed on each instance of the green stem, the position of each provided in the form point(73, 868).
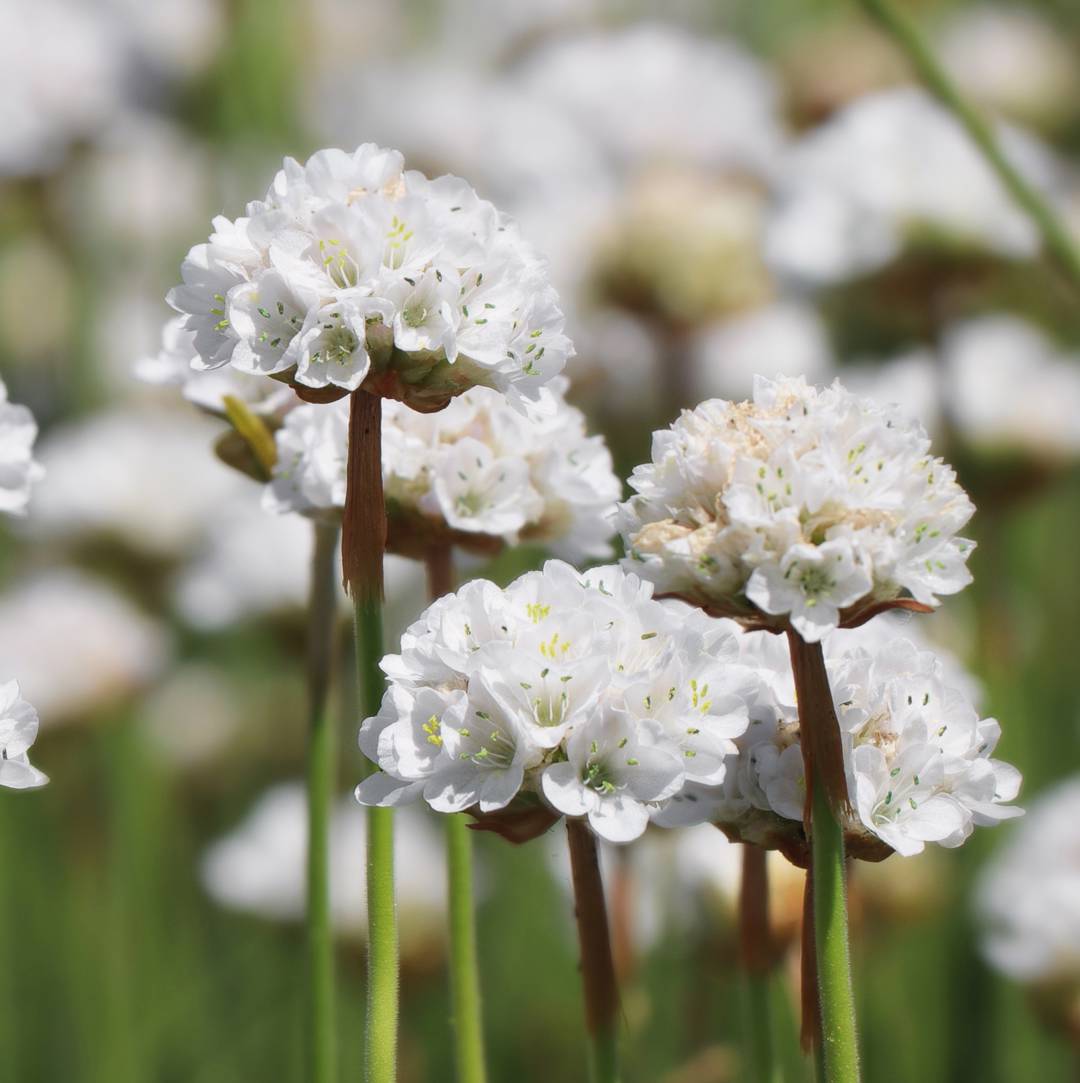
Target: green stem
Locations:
point(597, 964)
point(907, 36)
point(839, 1044)
point(322, 619)
point(380, 1051)
point(756, 955)
point(464, 970)
point(464, 966)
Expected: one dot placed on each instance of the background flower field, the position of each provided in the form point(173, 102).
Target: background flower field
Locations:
point(740, 187)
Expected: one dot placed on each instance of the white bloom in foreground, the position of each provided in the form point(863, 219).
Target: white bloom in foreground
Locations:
point(1028, 898)
point(18, 470)
point(355, 271)
point(18, 729)
point(579, 687)
point(889, 165)
point(918, 756)
point(478, 468)
point(802, 504)
point(78, 646)
point(260, 867)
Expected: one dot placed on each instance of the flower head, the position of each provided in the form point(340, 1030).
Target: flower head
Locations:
point(582, 688)
point(18, 729)
point(918, 757)
point(808, 506)
point(353, 271)
point(476, 471)
point(18, 470)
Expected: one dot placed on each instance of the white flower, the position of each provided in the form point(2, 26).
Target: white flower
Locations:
point(259, 867)
point(478, 467)
point(18, 470)
point(18, 729)
point(1028, 897)
point(77, 645)
point(353, 269)
point(887, 165)
point(582, 688)
point(801, 503)
point(641, 93)
point(918, 756)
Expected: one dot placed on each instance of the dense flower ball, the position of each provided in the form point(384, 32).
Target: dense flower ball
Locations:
point(18, 729)
point(1029, 897)
point(803, 505)
point(353, 271)
point(18, 470)
point(474, 471)
point(579, 687)
point(917, 754)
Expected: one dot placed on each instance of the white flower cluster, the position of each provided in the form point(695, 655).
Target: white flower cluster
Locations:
point(918, 756)
point(478, 467)
point(580, 687)
point(353, 269)
point(1029, 896)
point(18, 729)
point(802, 503)
point(18, 470)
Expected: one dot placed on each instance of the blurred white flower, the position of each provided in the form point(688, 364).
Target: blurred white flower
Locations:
point(1013, 61)
point(785, 336)
point(1028, 897)
point(18, 469)
point(18, 730)
point(1009, 388)
point(250, 564)
point(146, 476)
point(641, 92)
point(1002, 384)
point(77, 645)
point(853, 190)
point(477, 467)
point(260, 867)
point(798, 504)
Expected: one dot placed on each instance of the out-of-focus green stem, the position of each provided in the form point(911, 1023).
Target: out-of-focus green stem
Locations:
point(756, 957)
point(380, 1050)
point(903, 30)
point(322, 619)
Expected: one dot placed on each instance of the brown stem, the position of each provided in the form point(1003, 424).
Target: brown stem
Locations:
point(594, 938)
point(363, 531)
point(819, 729)
point(439, 562)
point(755, 936)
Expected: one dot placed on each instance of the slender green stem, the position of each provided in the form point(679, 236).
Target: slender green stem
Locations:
point(903, 30)
point(839, 1044)
point(380, 1052)
point(322, 620)
point(597, 964)
point(464, 970)
point(464, 966)
point(756, 957)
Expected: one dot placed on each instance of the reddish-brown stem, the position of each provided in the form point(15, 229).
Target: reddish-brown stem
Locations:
point(439, 562)
point(363, 529)
point(755, 936)
point(594, 937)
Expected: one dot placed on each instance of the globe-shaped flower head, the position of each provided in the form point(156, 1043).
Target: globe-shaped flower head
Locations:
point(809, 508)
point(353, 272)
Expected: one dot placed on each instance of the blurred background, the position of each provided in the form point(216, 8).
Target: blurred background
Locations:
point(731, 188)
